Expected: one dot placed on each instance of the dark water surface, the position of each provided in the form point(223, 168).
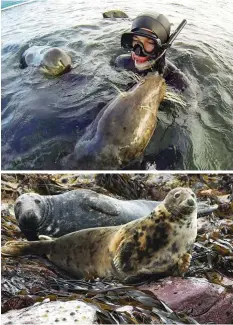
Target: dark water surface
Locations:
point(43, 117)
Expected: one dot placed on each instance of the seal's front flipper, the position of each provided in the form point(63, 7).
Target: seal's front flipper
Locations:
point(103, 205)
point(183, 264)
point(20, 248)
point(14, 248)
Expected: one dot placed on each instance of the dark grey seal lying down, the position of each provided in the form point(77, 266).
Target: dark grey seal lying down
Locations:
point(52, 61)
point(78, 209)
point(58, 215)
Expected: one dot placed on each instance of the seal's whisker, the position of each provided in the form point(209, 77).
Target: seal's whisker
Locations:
point(137, 77)
point(147, 108)
point(61, 64)
point(122, 93)
point(133, 75)
point(175, 98)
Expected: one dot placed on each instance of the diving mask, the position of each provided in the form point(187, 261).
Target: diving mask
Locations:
point(140, 50)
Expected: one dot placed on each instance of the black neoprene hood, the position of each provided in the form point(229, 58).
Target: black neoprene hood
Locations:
point(157, 23)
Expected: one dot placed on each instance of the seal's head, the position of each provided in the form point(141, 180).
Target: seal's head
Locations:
point(148, 33)
point(29, 210)
point(55, 62)
point(181, 201)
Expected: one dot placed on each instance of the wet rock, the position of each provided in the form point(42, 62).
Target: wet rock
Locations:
point(204, 301)
point(50, 313)
point(115, 14)
point(7, 209)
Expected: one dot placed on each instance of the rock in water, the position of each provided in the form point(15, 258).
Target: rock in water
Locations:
point(115, 14)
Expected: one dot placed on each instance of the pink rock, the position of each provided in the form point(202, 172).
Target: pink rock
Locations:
point(205, 302)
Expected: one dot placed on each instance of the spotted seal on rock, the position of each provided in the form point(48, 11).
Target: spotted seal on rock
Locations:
point(122, 129)
point(160, 242)
point(52, 61)
point(57, 215)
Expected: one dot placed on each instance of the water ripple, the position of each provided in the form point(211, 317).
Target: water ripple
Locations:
point(43, 117)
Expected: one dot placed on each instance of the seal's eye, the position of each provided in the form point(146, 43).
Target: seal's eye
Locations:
point(18, 204)
point(37, 201)
point(193, 195)
point(177, 195)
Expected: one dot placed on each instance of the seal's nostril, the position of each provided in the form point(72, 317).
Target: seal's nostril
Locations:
point(190, 202)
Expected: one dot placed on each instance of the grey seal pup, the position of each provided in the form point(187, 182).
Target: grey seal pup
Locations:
point(51, 61)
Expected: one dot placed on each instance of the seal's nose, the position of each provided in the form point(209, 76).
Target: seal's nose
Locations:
point(29, 220)
point(191, 202)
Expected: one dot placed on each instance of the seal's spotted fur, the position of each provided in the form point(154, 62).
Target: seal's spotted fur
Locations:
point(160, 241)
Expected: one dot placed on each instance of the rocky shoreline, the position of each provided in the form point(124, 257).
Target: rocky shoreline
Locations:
point(204, 295)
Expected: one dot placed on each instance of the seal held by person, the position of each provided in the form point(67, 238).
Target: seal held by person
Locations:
point(51, 61)
point(160, 242)
point(122, 130)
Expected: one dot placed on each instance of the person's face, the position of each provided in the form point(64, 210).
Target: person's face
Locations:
point(148, 44)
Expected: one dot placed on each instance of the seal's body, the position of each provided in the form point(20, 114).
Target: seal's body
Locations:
point(122, 130)
point(52, 61)
point(58, 215)
point(158, 243)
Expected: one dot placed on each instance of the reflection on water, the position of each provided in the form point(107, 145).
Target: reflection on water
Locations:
point(7, 4)
point(43, 117)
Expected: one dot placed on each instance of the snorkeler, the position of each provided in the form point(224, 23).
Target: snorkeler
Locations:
point(148, 41)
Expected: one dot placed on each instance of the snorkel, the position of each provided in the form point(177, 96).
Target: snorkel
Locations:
point(168, 44)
